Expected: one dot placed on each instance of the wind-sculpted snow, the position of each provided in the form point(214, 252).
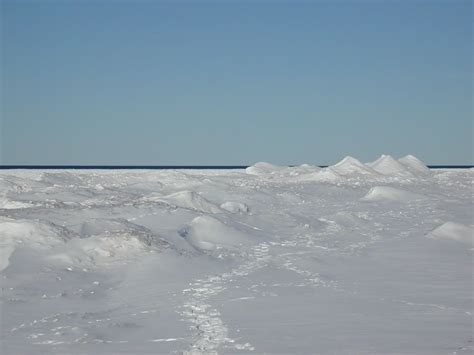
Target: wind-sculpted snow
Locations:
point(414, 163)
point(387, 193)
point(208, 233)
point(455, 231)
point(352, 258)
point(387, 165)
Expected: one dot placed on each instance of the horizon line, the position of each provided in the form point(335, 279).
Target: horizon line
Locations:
point(173, 167)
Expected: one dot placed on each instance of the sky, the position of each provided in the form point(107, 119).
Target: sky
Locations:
point(235, 82)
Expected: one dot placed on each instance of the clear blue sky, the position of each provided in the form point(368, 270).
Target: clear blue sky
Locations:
point(235, 82)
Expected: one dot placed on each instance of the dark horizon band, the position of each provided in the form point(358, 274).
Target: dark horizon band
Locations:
point(172, 167)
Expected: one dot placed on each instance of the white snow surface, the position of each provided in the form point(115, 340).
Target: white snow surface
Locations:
point(351, 259)
point(388, 193)
point(455, 231)
point(387, 165)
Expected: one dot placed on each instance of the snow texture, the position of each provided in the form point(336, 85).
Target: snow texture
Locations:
point(354, 258)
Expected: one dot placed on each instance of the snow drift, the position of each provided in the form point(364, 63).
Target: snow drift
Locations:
point(387, 165)
point(414, 163)
point(208, 233)
point(387, 193)
point(454, 231)
point(186, 199)
point(351, 166)
point(31, 234)
point(262, 168)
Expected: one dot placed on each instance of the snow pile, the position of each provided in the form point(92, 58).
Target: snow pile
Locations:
point(263, 168)
point(387, 165)
point(326, 175)
point(235, 207)
point(186, 199)
point(387, 193)
point(454, 231)
point(303, 170)
point(208, 233)
point(31, 234)
point(352, 166)
point(414, 164)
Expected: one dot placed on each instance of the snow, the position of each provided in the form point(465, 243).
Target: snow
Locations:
point(387, 165)
point(350, 165)
point(235, 207)
point(455, 231)
point(188, 199)
point(352, 258)
point(414, 163)
point(209, 233)
point(264, 168)
point(387, 193)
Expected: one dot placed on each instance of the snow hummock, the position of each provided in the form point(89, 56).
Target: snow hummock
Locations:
point(455, 231)
point(350, 165)
point(208, 233)
point(31, 234)
point(414, 163)
point(263, 168)
point(187, 199)
point(387, 165)
point(387, 193)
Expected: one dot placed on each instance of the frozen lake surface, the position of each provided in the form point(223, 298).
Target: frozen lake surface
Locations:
point(354, 258)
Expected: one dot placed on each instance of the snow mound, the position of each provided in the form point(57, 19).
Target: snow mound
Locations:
point(387, 165)
point(192, 200)
point(303, 170)
point(31, 234)
point(263, 168)
point(455, 231)
point(322, 175)
point(207, 233)
point(187, 199)
point(387, 193)
point(350, 165)
point(414, 163)
point(235, 207)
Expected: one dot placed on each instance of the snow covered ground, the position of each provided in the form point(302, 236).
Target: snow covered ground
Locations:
point(354, 258)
